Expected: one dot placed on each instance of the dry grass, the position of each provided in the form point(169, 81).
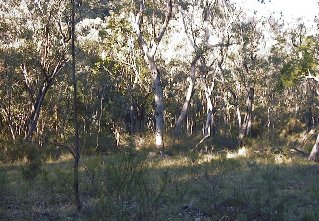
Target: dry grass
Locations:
point(252, 183)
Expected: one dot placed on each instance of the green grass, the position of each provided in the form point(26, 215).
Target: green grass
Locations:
point(248, 184)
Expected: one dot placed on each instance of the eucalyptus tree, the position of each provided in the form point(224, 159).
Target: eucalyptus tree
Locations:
point(38, 35)
point(299, 72)
point(215, 65)
point(206, 25)
point(149, 36)
point(76, 153)
point(246, 61)
point(190, 13)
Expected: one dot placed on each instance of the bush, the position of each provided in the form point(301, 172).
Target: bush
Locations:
point(107, 143)
point(33, 156)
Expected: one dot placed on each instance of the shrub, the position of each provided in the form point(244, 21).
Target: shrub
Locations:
point(33, 156)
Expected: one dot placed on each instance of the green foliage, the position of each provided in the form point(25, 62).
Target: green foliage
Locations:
point(106, 143)
point(302, 62)
point(33, 155)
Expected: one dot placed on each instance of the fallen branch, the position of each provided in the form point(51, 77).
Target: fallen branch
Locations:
point(201, 141)
point(299, 151)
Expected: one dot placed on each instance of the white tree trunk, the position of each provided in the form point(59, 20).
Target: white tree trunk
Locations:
point(314, 151)
point(209, 104)
point(184, 110)
point(149, 52)
point(188, 98)
point(159, 104)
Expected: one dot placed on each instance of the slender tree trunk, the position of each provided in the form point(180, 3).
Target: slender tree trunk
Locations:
point(133, 117)
point(238, 115)
point(75, 109)
point(159, 104)
point(248, 131)
point(315, 150)
point(183, 113)
point(149, 52)
point(9, 95)
point(36, 111)
point(245, 127)
point(189, 94)
point(236, 104)
point(309, 118)
point(207, 130)
point(100, 118)
point(210, 111)
point(7, 115)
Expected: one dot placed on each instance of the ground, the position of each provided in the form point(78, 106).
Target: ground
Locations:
point(255, 182)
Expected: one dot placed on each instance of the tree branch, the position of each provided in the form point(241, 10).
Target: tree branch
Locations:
point(313, 77)
point(26, 82)
point(136, 23)
point(166, 21)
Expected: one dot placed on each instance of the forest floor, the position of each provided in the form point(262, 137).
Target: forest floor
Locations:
point(256, 182)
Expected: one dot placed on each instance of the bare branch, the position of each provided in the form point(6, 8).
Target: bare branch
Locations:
point(166, 21)
point(136, 23)
point(27, 82)
point(312, 77)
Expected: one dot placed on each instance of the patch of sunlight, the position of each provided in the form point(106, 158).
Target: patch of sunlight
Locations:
point(242, 152)
point(140, 141)
point(282, 159)
point(206, 158)
point(62, 158)
point(82, 168)
point(170, 162)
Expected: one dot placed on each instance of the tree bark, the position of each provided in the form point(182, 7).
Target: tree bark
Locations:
point(75, 109)
point(315, 150)
point(149, 52)
point(189, 94)
point(102, 94)
point(159, 104)
point(210, 111)
point(245, 127)
point(36, 110)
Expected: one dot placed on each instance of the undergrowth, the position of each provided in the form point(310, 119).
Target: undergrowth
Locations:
point(256, 182)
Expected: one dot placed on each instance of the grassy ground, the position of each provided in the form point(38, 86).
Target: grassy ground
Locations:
point(258, 182)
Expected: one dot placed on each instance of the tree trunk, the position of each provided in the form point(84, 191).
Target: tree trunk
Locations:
point(75, 109)
point(210, 112)
point(184, 110)
point(132, 117)
point(159, 104)
point(36, 110)
point(309, 118)
point(149, 52)
point(99, 120)
point(7, 115)
point(236, 104)
point(314, 151)
point(207, 130)
point(245, 127)
point(189, 94)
